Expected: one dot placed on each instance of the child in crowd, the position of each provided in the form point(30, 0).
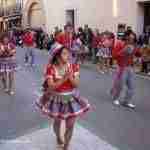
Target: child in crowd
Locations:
point(7, 63)
point(104, 54)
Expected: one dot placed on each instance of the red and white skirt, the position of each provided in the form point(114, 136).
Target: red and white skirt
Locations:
point(63, 105)
point(104, 53)
point(8, 64)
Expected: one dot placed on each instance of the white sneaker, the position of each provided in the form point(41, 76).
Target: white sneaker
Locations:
point(33, 65)
point(11, 93)
point(116, 102)
point(129, 105)
point(26, 64)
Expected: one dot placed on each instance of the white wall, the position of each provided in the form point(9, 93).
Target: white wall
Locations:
point(96, 13)
point(24, 2)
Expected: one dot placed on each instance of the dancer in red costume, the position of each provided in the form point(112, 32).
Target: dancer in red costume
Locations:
point(61, 100)
point(124, 53)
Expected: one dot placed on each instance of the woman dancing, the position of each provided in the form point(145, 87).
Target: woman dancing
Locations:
point(61, 99)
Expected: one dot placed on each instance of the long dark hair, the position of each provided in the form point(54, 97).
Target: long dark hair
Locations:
point(57, 55)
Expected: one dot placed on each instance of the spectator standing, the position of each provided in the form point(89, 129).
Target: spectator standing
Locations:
point(88, 38)
point(95, 43)
point(28, 40)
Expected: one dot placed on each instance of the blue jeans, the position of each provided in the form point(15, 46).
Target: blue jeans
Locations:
point(123, 77)
point(29, 54)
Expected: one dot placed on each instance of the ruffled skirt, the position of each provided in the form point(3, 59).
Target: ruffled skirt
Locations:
point(63, 105)
point(8, 64)
point(104, 53)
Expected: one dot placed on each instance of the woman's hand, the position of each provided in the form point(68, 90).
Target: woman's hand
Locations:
point(55, 84)
point(71, 77)
point(74, 80)
point(68, 75)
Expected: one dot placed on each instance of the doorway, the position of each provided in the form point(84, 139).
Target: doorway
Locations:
point(146, 15)
point(35, 15)
point(70, 17)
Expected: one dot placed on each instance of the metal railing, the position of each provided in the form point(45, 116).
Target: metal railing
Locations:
point(11, 10)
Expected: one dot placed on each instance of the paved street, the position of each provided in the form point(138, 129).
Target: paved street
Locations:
point(106, 127)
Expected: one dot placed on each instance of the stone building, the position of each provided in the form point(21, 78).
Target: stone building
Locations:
point(10, 14)
point(102, 14)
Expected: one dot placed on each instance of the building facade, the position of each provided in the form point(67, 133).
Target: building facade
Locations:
point(102, 14)
point(10, 14)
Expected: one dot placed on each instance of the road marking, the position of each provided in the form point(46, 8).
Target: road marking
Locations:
point(44, 139)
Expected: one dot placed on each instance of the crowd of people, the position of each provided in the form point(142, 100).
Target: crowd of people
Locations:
point(88, 44)
point(84, 43)
point(61, 98)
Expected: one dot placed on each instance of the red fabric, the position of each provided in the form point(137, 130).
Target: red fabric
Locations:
point(66, 86)
point(28, 39)
point(65, 39)
point(117, 49)
point(95, 42)
point(120, 56)
point(137, 52)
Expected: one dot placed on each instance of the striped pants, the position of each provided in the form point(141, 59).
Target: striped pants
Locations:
point(123, 77)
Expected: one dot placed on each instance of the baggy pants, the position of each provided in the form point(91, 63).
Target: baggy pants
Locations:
point(123, 77)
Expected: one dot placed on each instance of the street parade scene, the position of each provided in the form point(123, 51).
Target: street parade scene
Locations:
point(74, 80)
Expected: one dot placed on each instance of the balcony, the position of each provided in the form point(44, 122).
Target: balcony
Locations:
point(10, 16)
point(12, 10)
